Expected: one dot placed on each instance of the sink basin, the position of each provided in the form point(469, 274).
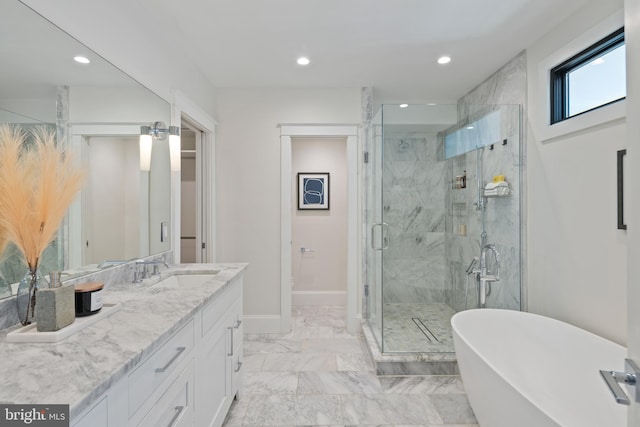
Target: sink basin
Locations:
point(182, 280)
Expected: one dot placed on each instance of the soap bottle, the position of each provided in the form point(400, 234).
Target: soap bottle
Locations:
point(54, 279)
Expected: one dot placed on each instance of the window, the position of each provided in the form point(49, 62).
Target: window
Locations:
point(591, 79)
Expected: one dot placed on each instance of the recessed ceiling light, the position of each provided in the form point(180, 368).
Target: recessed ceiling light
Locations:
point(444, 60)
point(81, 59)
point(432, 103)
point(404, 105)
point(303, 60)
point(469, 127)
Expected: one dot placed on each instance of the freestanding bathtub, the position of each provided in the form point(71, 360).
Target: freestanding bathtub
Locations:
point(525, 370)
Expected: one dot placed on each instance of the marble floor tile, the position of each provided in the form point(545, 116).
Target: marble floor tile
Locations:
point(430, 384)
point(453, 408)
point(254, 345)
point(389, 409)
point(235, 416)
point(338, 383)
point(268, 383)
point(334, 322)
point(333, 345)
point(305, 331)
point(320, 375)
point(294, 410)
point(417, 327)
point(353, 362)
point(300, 362)
point(253, 362)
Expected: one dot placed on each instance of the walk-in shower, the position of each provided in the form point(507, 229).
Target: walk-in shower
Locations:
point(443, 216)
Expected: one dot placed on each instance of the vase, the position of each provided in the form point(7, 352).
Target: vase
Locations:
point(27, 294)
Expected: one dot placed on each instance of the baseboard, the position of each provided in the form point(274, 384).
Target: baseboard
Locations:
point(261, 324)
point(319, 297)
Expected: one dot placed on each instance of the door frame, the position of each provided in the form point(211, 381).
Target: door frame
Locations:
point(183, 108)
point(351, 133)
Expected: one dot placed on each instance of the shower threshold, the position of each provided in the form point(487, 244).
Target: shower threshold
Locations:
point(417, 340)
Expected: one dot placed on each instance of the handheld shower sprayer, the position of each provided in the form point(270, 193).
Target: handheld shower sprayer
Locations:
point(472, 264)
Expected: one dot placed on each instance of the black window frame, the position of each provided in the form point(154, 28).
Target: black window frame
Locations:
point(558, 75)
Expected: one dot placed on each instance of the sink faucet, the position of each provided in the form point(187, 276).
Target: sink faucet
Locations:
point(142, 272)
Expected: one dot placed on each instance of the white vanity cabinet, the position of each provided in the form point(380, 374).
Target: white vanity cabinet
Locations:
point(219, 357)
point(190, 380)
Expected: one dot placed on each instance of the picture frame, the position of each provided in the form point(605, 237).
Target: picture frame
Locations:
point(313, 191)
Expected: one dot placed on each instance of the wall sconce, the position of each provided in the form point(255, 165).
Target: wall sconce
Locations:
point(159, 131)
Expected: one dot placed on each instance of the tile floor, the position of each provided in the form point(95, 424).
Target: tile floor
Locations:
point(418, 328)
point(320, 375)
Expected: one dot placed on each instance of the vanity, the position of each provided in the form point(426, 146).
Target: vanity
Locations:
point(171, 354)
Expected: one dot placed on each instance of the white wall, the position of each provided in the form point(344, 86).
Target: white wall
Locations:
point(320, 277)
point(576, 256)
point(248, 177)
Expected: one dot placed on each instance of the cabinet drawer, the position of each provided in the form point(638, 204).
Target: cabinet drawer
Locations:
point(175, 407)
point(159, 366)
point(217, 308)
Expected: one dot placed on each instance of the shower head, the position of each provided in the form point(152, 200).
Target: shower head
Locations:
point(472, 264)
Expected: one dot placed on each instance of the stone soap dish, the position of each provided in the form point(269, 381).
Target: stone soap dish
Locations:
point(30, 333)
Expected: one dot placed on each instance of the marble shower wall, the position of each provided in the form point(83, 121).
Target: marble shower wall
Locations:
point(413, 206)
point(504, 91)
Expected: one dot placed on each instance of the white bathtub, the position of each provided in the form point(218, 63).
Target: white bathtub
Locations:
point(525, 370)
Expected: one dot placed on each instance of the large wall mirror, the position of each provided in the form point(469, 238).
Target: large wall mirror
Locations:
point(96, 111)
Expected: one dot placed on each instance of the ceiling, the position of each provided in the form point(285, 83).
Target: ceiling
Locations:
point(390, 45)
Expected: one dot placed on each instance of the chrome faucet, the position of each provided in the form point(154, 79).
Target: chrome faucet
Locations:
point(142, 271)
point(483, 262)
point(483, 278)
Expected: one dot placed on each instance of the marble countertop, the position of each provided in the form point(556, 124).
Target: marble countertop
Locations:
point(83, 366)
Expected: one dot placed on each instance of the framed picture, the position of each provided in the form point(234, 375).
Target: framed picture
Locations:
point(313, 191)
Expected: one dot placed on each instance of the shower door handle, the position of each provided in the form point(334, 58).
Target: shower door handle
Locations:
point(385, 236)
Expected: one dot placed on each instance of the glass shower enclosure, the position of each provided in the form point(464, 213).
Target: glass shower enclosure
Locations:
point(432, 206)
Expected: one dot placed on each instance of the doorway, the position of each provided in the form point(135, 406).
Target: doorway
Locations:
point(193, 190)
point(287, 134)
point(319, 234)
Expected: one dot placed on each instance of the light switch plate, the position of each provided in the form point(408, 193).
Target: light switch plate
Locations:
point(164, 231)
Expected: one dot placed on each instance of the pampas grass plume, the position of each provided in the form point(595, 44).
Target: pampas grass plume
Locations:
point(37, 186)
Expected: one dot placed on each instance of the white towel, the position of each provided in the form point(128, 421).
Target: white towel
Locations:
point(496, 189)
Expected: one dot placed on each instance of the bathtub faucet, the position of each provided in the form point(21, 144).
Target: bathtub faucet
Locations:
point(483, 278)
point(483, 263)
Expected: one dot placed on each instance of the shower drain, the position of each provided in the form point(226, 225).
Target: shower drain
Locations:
point(425, 330)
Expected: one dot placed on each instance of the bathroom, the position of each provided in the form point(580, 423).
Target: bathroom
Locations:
point(574, 259)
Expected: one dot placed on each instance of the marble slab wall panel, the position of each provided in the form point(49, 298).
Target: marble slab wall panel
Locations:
point(413, 206)
point(506, 91)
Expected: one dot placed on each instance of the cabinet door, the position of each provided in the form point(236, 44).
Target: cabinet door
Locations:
point(235, 317)
point(94, 417)
point(213, 377)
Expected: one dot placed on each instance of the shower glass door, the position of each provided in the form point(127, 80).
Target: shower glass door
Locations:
point(374, 238)
point(416, 318)
point(424, 225)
